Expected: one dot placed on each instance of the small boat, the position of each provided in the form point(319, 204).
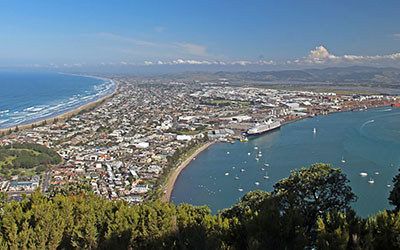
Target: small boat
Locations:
point(236, 178)
point(233, 167)
point(266, 164)
point(249, 153)
point(242, 170)
point(371, 181)
point(244, 139)
point(240, 189)
point(262, 169)
point(363, 174)
point(388, 185)
point(266, 177)
point(376, 173)
point(257, 159)
point(226, 173)
point(256, 183)
point(228, 153)
point(314, 130)
point(343, 160)
point(255, 147)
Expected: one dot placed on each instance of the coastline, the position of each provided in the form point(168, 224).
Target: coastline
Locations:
point(173, 176)
point(169, 187)
point(65, 115)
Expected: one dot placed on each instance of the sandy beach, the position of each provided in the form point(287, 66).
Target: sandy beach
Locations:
point(66, 115)
point(176, 172)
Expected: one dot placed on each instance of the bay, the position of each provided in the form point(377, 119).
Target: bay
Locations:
point(357, 142)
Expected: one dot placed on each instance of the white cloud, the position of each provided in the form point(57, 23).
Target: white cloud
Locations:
point(321, 55)
point(241, 62)
point(264, 62)
point(209, 62)
point(130, 47)
point(123, 39)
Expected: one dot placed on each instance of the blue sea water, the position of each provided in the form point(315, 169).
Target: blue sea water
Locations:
point(30, 96)
point(365, 141)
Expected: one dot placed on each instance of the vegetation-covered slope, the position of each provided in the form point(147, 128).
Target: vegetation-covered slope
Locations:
point(16, 158)
point(309, 209)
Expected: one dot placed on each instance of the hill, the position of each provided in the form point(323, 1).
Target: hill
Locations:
point(308, 210)
point(354, 74)
point(26, 159)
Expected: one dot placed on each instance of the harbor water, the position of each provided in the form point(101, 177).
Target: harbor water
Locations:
point(364, 144)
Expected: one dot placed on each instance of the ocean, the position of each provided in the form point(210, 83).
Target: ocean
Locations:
point(26, 97)
point(357, 142)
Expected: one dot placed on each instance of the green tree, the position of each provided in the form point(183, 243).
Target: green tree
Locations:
point(333, 231)
point(314, 191)
point(385, 230)
point(394, 196)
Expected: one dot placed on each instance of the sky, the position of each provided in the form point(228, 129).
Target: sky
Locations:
point(208, 33)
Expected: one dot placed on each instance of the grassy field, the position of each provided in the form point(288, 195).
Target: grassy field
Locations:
point(26, 159)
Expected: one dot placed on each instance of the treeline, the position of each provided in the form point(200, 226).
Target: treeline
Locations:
point(308, 210)
point(28, 155)
point(172, 162)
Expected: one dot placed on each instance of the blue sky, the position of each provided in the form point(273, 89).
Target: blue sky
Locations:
point(68, 33)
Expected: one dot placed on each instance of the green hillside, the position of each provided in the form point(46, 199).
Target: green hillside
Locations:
point(26, 159)
point(308, 210)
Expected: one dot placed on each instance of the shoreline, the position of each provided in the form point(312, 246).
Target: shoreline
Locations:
point(65, 115)
point(169, 187)
point(173, 176)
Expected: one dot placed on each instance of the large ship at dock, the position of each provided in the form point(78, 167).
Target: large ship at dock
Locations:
point(260, 128)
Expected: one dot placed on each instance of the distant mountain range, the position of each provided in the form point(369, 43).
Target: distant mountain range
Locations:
point(353, 74)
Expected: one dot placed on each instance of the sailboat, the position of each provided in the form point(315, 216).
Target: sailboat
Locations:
point(371, 181)
point(343, 160)
point(314, 130)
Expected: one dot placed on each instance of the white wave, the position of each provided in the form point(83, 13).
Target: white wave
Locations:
point(4, 111)
point(28, 109)
point(367, 122)
point(37, 109)
point(57, 107)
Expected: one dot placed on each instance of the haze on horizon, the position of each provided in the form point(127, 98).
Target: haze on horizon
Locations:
point(203, 35)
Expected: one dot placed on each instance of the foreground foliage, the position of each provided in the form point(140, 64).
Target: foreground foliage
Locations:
point(309, 209)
